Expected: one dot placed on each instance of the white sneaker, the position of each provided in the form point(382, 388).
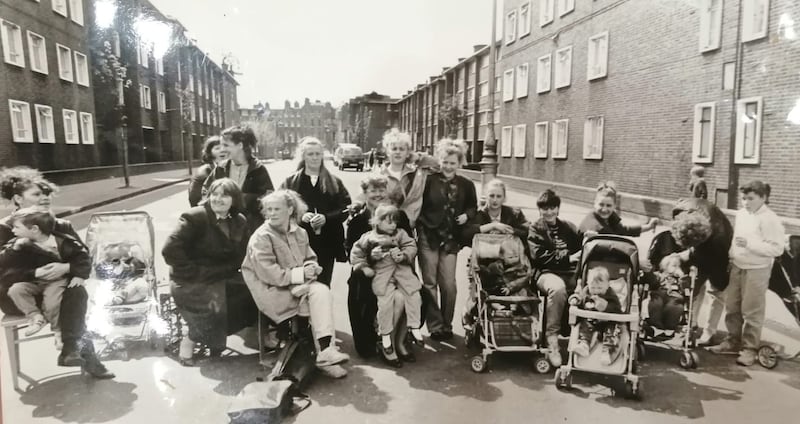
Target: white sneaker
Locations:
point(705, 338)
point(333, 371)
point(331, 356)
point(554, 356)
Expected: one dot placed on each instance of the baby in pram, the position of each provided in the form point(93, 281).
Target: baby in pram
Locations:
point(123, 273)
point(665, 304)
point(597, 295)
point(504, 276)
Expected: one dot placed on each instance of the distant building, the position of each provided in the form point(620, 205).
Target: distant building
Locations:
point(294, 122)
point(368, 118)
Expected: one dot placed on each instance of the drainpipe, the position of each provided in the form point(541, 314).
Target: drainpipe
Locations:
point(733, 170)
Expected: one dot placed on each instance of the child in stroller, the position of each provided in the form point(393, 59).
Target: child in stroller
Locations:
point(124, 273)
point(504, 276)
point(665, 305)
point(597, 295)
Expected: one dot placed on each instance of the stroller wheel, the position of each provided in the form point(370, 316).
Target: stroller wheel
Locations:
point(541, 365)
point(767, 357)
point(633, 390)
point(687, 360)
point(641, 351)
point(695, 359)
point(478, 364)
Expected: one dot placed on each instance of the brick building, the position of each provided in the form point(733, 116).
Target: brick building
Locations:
point(47, 111)
point(368, 117)
point(294, 122)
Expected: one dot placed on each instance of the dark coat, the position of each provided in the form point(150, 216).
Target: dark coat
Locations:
point(257, 184)
point(330, 241)
point(544, 255)
point(20, 265)
point(508, 215)
point(196, 185)
point(612, 225)
point(433, 218)
point(711, 256)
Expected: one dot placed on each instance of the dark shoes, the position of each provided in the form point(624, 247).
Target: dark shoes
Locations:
point(85, 357)
point(70, 359)
point(97, 370)
point(442, 335)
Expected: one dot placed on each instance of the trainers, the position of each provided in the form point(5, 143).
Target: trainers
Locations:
point(746, 357)
point(726, 346)
point(333, 371)
point(554, 356)
point(605, 356)
point(705, 338)
point(35, 325)
point(331, 356)
point(581, 348)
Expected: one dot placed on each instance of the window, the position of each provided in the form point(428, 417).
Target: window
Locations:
point(87, 128)
point(498, 83)
point(37, 52)
point(597, 66)
point(147, 103)
point(755, 17)
point(543, 74)
point(545, 12)
point(160, 65)
point(60, 7)
point(593, 138)
point(81, 69)
point(470, 120)
point(76, 10)
point(565, 6)
point(525, 19)
point(540, 140)
point(21, 128)
point(162, 102)
point(564, 67)
point(710, 24)
point(748, 130)
point(511, 27)
point(470, 95)
point(520, 140)
point(202, 114)
point(12, 43)
point(70, 126)
point(64, 62)
point(522, 81)
point(483, 89)
point(144, 51)
point(559, 136)
point(703, 140)
point(508, 85)
point(193, 115)
point(191, 83)
point(44, 123)
point(506, 138)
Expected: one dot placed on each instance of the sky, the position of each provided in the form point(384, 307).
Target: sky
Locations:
point(333, 50)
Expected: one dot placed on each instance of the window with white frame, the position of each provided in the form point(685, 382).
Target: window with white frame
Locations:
point(703, 140)
point(70, 126)
point(470, 120)
point(37, 52)
point(64, 55)
point(597, 64)
point(524, 19)
point(563, 67)
point(76, 11)
point(520, 140)
point(565, 6)
point(11, 35)
point(511, 27)
point(508, 85)
point(755, 19)
point(193, 116)
point(60, 7)
point(540, 140)
point(44, 123)
point(21, 128)
point(593, 138)
point(546, 8)
point(544, 64)
point(146, 97)
point(483, 89)
point(484, 118)
point(87, 128)
point(748, 130)
point(522, 81)
point(470, 95)
point(160, 65)
point(202, 115)
point(81, 69)
point(559, 135)
point(162, 102)
point(190, 84)
point(506, 138)
point(710, 24)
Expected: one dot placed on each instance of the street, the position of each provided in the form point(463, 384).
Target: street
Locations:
point(439, 388)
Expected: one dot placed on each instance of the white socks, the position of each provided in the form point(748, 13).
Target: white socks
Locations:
point(386, 340)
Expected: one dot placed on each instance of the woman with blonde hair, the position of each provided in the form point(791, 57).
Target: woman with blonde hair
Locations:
point(327, 201)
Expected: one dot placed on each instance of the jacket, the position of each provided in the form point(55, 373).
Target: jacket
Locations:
point(612, 225)
point(544, 255)
point(386, 268)
point(20, 265)
point(613, 305)
point(257, 184)
point(411, 184)
point(764, 233)
point(273, 264)
point(358, 225)
point(435, 218)
point(509, 216)
point(196, 185)
point(710, 257)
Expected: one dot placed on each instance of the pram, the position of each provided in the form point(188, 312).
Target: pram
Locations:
point(620, 257)
point(122, 286)
point(785, 278)
point(504, 323)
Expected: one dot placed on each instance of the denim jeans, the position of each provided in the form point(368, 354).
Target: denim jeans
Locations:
point(438, 280)
point(745, 304)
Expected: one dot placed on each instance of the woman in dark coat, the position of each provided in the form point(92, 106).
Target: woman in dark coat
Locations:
point(327, 201)
point(205, 253)
point(213, 154)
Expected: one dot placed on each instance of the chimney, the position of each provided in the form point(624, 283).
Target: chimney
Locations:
point(477, 47)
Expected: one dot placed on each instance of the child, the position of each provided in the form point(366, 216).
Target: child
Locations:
point(37, 244)
point(386, 254)
point(758, 237)
point(697, 184)
point(665, 306)
point(125, 273)
point(506, 275)
point(597, 295)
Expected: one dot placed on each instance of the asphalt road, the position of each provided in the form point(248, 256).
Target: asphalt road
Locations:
point(439, 388)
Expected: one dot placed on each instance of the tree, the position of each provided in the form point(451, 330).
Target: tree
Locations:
point(452, 116)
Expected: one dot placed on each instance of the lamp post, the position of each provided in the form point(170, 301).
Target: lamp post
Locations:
point(489, 156)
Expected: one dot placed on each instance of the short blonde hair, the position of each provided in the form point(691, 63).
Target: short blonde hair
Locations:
point(395, 136)
point(497, 183)
point(292, 200)
point(598, 273)
point(448, 146)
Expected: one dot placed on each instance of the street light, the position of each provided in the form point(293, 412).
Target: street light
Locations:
point(489, 160)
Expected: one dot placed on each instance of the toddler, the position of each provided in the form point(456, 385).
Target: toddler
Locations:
point(125, 272)
point(665, 305)
point(697, 184)
point(597, 295)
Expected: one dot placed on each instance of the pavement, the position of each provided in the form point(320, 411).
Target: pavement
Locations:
point(439, 388)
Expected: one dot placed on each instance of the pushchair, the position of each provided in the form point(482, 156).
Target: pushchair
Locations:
point(503, 323)
point(123, 306)
point(620, 257)
point(785, 278)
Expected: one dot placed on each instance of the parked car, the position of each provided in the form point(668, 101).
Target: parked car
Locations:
point(349, 156)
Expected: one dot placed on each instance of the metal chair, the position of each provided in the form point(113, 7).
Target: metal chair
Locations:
point(11, 326)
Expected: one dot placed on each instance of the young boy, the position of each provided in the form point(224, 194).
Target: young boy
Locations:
point(697, 184)
point(37, 244)
point(597, 295)
point(758, 236)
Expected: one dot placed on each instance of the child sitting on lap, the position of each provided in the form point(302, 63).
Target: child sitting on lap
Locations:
point(597, 295)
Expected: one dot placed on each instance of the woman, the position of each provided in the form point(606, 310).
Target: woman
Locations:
point(281, 271)
point(327, 201)
point(205, 253)
point(449, 201)
point(605, 220)
point(25, 187)
point(213, 155)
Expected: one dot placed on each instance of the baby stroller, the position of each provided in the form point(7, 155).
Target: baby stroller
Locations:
point(504, 323)
point(620, 257)
point(785, 278)
point(122, 286)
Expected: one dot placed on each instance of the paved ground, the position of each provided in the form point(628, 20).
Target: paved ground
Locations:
point(440, 388)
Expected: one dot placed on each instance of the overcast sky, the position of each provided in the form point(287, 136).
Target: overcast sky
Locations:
point(332, 50)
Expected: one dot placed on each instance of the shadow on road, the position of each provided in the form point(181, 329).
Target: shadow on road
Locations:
point(80, 399)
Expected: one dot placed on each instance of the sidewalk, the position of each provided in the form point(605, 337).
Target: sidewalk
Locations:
point(75, 198)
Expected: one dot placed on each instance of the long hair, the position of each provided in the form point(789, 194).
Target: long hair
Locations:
point(329, 184)
point(292, 200)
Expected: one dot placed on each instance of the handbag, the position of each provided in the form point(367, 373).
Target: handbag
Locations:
point(267, 402)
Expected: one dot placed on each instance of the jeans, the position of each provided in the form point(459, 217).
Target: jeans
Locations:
point(745, 304)
point(438, 279)
point(716, 304)
point(24, 296)
point(555, 289)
